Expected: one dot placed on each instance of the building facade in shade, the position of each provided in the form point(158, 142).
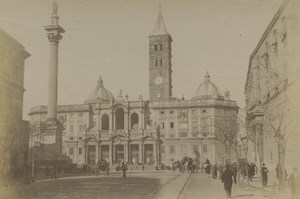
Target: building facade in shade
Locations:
point(272, 87)
point(14, 131)
point(162, 129)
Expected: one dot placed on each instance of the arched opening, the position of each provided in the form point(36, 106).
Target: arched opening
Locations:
point(105, 122)
point(119, 118)
point(134, 121)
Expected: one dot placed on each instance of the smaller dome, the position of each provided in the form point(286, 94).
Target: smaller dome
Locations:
point(99, 93)
point(208, 90)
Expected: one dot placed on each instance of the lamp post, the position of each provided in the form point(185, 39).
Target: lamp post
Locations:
point(279, 169)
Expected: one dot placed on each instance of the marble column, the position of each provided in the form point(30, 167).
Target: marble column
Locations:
point(126, 152)
point(154, 152)
point(140, 153)
point(54, 35)
point(126, 120)
point(97, 153)
point(110, 154)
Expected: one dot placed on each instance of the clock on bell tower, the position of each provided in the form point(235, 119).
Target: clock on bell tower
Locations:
point(160, 72)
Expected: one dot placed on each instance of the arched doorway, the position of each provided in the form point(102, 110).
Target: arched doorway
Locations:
point(105, 122)
point(134, 121)
point(119, 118)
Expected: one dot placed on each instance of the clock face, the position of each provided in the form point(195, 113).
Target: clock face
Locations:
point(159, 80)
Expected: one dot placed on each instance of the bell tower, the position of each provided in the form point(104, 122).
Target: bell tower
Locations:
point(160, 71)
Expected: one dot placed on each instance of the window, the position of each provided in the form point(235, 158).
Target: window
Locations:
point(171, 112)
point(161, 62)
point(161, 46)
point(271, 155)
point(134, 121)
point(71, 138)
point(82, 127)
point(204, 111)
point(162, 149)
point(195, 148)
point(80, 115)
point(162, 125)
point(71, 128)
point(79, 150)
point(71, 150)
point(105, 122)
point(171, 125)
point(172, 149)
point(162, 112)
point(80, 138)
point(155, 47)
point(205, 148)
point(119, 118)
point(156, 62)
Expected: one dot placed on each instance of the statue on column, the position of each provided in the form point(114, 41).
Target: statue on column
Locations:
point(55, 7)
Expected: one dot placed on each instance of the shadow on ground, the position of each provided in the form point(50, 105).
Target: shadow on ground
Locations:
point(243, 196)
point(106, 187)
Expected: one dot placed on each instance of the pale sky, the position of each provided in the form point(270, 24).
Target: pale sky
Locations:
point(110, 38)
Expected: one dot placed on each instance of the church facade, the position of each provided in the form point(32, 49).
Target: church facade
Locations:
point(162, 129)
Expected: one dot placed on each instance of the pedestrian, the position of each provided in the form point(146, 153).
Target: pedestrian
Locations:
point(264, 171)
point(221, 171)
point(124, 169)
point(215, 171)
point(294, 183)
point(228, 179)
point(53, 172)
point(234, 170)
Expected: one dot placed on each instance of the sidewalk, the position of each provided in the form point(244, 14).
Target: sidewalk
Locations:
point(271, 190)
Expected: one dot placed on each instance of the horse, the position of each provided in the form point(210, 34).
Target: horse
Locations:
point(102, 166)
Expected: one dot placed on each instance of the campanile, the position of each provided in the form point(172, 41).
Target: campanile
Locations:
point(160, 70)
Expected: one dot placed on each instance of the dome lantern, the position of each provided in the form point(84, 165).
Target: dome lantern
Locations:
point(99, 93)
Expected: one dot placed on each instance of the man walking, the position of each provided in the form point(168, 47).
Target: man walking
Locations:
point(264, 171)
point(124, 169)
point(227, 179)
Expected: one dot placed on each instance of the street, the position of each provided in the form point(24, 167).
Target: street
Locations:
point(136, 186)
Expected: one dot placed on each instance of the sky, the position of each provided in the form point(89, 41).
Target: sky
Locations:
point(110, 38)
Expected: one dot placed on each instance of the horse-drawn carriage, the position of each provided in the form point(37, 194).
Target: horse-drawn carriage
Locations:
point(102, 166)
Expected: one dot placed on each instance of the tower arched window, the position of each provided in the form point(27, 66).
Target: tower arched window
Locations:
point(161, 62)
point(161, 46)
point(105, 122)
point(134, 121)
point(156, 62)
point(155, 47)
point(119, 121)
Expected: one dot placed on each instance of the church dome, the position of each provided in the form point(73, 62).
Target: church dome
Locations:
point(99, 93)
point(208, 90)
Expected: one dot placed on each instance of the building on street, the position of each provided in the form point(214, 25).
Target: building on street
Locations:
point(162, 129)
point(271, 90)
point(14, 131)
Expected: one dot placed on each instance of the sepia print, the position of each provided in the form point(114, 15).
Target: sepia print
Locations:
point(149, 99)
